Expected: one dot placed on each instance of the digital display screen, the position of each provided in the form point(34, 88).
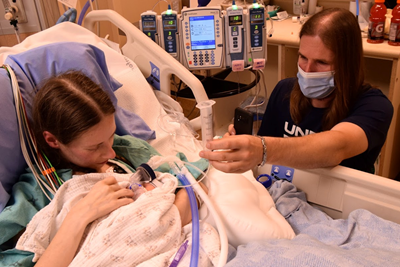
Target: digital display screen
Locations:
point(169, 24)
point(235, 20)
point(202, 32)
point(149, 25)
point(256, 18)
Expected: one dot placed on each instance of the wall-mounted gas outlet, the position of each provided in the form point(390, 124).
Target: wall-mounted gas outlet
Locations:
point(14, 9)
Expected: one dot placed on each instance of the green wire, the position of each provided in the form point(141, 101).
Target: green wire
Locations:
point(60, 182)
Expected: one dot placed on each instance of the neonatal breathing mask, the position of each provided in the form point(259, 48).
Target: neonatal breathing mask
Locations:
point(316, 85)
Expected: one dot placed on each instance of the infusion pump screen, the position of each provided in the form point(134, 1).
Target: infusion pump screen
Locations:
point(149, 25)
point(202, 32)
point(169, 25)
point(235, 20)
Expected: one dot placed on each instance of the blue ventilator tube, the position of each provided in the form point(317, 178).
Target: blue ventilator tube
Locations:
point(83, 12)
point(194, 259)
point(69, 15)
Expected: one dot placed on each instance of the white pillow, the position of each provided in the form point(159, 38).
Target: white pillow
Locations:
point(246, 208)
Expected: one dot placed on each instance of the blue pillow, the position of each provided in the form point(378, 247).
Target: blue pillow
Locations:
point(32, 68)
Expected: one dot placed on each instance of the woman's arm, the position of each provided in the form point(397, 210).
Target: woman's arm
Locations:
point(105, 196)
point(325, 149)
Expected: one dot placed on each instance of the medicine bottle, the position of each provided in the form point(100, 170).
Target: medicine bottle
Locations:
point(394, 32)
point(376, 24)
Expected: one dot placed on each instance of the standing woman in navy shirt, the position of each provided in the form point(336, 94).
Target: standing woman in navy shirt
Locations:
point(325, 116)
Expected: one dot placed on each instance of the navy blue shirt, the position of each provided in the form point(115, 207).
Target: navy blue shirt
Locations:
point(372, 112)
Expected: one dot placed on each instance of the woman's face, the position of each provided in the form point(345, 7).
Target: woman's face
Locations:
point(93, 148)
point(314, 56)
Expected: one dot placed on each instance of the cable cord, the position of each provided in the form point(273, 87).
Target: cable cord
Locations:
point(159, 2)
point(17, 34)
point(28, 144)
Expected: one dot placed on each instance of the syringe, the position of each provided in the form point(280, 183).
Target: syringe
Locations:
point(207, 128)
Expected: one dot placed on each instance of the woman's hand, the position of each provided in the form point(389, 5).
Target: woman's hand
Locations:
point(234, 153)
point(104, 197)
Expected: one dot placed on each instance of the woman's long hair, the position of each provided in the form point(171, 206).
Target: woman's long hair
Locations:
point(339, 31)
point(68, 105)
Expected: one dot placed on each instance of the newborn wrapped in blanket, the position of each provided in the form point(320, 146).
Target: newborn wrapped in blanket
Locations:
point(146, 232)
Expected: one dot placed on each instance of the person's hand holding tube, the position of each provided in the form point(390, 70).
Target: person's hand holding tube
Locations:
point(234, 153)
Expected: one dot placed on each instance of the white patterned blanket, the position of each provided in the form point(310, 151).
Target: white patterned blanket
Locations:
point(146, 232)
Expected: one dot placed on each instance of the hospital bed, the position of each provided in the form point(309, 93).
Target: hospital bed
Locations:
point(246, 209)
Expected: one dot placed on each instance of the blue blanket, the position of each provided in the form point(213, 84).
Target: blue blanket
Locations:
point(362, 239)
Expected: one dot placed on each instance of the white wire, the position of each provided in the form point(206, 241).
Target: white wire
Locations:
point(158, 3)
point(198, 169)
point(17, 34)
point(91, 4)
point(25, 153)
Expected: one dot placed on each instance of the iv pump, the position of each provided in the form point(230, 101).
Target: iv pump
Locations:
point(235, 41)
point(169, 38)
point(148, 24)
point(256, 29)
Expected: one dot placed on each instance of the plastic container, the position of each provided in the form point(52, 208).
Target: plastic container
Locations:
point(265, 180)
point(394, 32)
point(297, 7)
point(376, 24)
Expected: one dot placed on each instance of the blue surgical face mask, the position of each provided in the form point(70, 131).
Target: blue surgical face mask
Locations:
point(316, 85)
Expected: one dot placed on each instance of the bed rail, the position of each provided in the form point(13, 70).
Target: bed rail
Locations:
point(340, 190)
point(143, 51)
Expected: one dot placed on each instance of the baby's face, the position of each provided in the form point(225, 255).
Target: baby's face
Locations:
point(93, 148)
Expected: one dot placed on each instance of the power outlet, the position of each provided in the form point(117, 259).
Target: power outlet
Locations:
point(18, 7)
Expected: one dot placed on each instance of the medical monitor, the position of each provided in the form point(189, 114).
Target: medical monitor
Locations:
point(148, 24)
point(202, 38)
point(169, 33)
point(235, 35)
point(202, 32)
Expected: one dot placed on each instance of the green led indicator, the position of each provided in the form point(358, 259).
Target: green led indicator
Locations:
point(149, 33)
point(256, 5)
point(234, 7)
point(250, 59)
point(169, 12)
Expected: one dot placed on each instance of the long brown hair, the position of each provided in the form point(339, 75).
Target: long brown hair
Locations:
point(67, 105)
point(339, 31)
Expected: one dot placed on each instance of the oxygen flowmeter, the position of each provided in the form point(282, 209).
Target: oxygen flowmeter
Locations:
point(169, 32)
point(234, 32)
point(148, 25)
point(256, 27)
point(202, 33)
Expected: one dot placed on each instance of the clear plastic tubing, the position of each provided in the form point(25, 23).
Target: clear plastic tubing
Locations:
point(206, 114)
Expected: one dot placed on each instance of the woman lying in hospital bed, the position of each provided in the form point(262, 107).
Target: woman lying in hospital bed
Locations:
point(74, 126)
point(31, 72)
